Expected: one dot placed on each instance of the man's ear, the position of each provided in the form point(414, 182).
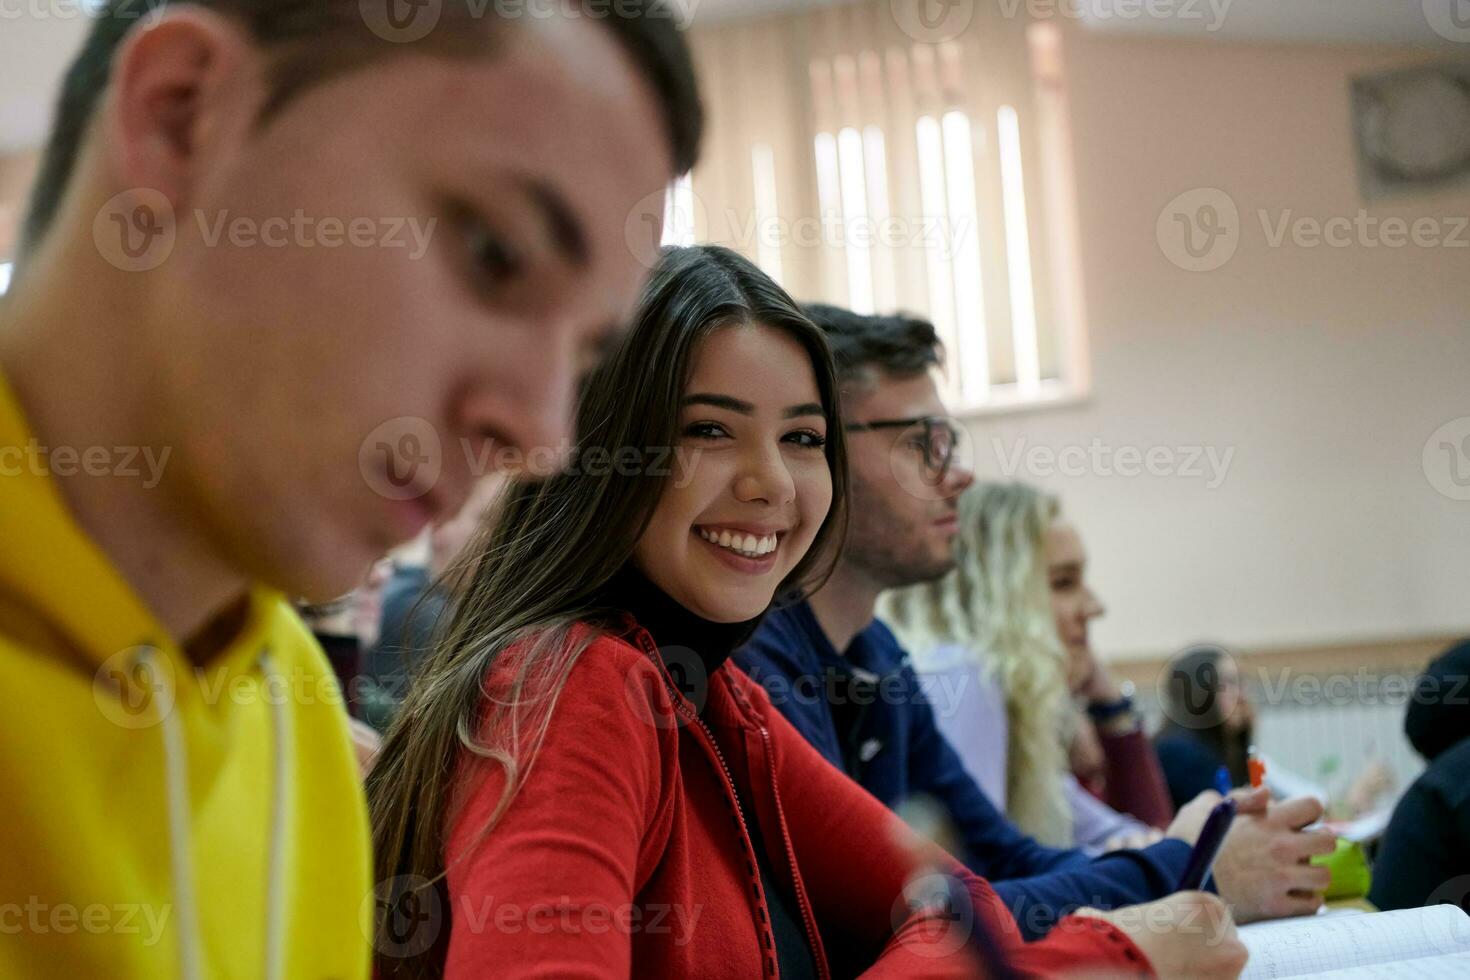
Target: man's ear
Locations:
point(184, 90)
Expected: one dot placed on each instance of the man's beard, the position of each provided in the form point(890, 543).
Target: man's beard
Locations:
point(895, 560)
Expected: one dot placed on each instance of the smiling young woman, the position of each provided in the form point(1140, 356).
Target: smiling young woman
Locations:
point(581, 783)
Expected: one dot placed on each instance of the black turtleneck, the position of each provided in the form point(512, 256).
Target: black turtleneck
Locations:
point(682, 636)
point(685, 639)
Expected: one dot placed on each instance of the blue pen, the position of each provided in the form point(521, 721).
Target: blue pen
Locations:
point(1202, 858)
point(1222, 781)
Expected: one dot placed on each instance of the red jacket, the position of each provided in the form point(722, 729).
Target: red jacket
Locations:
point(623, 853)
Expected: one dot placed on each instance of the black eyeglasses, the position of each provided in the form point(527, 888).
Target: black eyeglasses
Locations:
point(941, 437)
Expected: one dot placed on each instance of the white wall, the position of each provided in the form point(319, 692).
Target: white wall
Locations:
point(1324, 369)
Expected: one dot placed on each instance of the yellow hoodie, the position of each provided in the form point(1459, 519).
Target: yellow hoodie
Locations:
point(161, 820)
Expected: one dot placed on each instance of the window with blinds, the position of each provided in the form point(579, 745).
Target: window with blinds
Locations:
point(862, 168)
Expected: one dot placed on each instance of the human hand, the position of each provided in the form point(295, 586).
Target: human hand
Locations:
point(1190, 819)
point(1189, 935)
point(1262, 870)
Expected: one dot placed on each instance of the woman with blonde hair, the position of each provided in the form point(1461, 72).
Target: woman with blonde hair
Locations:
point(1006, 634)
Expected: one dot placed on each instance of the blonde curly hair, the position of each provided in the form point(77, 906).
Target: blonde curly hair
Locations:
point(995, 605)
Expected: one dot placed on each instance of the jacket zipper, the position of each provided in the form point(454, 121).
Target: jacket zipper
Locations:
point(808, 918)
point(681, 705)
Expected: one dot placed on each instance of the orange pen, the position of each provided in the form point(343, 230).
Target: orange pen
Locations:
point(1256, 766)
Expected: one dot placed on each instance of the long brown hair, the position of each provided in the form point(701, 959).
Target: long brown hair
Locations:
point(537, 571)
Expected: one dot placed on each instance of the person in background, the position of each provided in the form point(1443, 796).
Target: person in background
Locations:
point(346, 627)
point(580, 740)
point(1208, 722)
point(414, 603)
point(1089, 764)
point(176, 757)
point(844, 681)
point(1008, 630)
point(1424, 858)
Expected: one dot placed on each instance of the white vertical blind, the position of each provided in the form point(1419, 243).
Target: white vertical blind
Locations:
point(904, 175)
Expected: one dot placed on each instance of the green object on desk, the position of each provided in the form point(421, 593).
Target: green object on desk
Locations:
point(1349, 868)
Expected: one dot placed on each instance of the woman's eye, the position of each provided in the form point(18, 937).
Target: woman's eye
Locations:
point(807, 439)
point(704, 430)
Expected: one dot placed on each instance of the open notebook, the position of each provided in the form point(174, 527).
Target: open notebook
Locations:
point(1422, 944)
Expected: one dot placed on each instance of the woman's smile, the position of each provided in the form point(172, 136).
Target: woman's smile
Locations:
point(744, 548)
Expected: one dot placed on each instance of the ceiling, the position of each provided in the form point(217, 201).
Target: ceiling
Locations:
point(34, 51)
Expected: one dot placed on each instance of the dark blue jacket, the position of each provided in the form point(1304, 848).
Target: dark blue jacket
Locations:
point(897, 753)
point(1189, 765)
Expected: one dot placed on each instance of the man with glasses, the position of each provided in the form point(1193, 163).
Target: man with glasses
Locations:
point(843, 681)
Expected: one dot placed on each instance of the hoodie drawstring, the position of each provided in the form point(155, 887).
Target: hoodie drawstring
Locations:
point(181, 862)
point(275, 901)
point(181, 859)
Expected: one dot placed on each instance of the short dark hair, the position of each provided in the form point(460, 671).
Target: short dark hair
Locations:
point(896, 344)
point(312, 41)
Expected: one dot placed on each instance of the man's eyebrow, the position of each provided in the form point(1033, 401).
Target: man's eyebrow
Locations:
point(566, 230)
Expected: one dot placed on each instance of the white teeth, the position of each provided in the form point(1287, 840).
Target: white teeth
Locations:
point(742, 544)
